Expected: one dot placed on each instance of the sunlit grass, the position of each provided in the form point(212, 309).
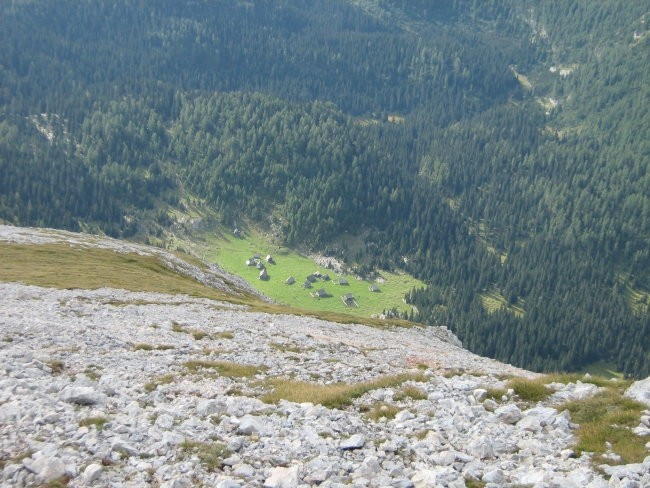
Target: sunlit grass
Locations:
point(225, 368)
point(608, 417)
point(158, 381)
point(67, 267)
point(531, 390)
point(231, 253)
point(410, 391)
point(336, 395)
point(62, 266)
point(382, 410)
point(97, 422)
point(210, 454)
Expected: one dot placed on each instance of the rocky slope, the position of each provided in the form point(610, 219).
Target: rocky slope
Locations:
point(115, 388)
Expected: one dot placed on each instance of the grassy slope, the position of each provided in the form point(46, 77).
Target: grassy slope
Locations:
point(231, 253)
point(64, 266)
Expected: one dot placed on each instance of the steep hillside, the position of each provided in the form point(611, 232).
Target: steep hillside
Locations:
point(106, 387)
point(497, 150)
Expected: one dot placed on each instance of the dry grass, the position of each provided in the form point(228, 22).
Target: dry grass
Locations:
point(336, 395)
point(382, 410)
point(225, 368)
point(530, 390)
point(56, 366)
point(285, 347)
point(608, 417)
point(410, 391)
point(149, 347)
point(67, 267)
point(98, 422)
point(575, 377)
point(226, 334)
point(495, 394)
point(158, 381)
point(197, 334)
point(62, 266)
point(211, 454)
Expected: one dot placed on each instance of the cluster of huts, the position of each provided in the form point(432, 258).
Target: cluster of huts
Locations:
point(348, 298)
point(256, 260)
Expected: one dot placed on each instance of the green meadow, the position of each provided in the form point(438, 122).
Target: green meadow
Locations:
point(493, 301)
point(231, 253)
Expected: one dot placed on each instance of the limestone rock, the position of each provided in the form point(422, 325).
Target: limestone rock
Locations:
point(640, 391)
point(283, 478)
point(357, 441)
point(509, 414)
point(82, 395)
point(92, 473)
point(250, 424)
point(46, 468)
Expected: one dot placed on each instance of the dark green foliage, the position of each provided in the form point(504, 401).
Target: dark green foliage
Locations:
point(277, 112)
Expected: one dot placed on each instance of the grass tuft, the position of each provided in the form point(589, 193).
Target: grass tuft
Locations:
point(225, 368)
point(56, 366)
point(336, 395)
point(608, 417)
point(97, 422)
point(150, 347)
point(495, 394)
point(530, 390)
point(198, 334)
point(285, 347)
point(156, 382)
point(410, 391)
point(211, 454)
point(382, 410)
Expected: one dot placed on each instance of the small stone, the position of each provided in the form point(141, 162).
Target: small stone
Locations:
point(640, 391)
point(46, 468)
point(402, 483)
point(228, 484)
point(244, 470)
point(120, 445)
point(530, 423)
point(480, 394)
point(231, 461)
point(404, 415)
point(81, 395)
point(494, 476)
point(250, 425)
point(180, 482)
point(508, 414)
point(92, 473)
point(357, 441)
point(369, 469)
point(210, 407)
point(567, 454)
point(282, 478)
point(164, 421)
point(481, 448)
point(490, 405)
